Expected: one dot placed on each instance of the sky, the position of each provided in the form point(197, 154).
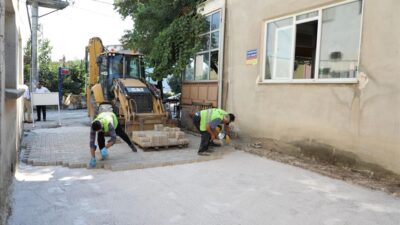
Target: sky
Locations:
point(70, 29)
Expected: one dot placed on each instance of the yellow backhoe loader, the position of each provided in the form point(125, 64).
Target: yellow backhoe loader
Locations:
point(116, 81)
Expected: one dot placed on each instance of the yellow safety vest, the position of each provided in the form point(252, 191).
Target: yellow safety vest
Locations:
point(106, 118)
point(209, 115)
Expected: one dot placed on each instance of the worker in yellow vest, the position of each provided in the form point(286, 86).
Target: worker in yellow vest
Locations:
point(106, 123)
point(207, 122)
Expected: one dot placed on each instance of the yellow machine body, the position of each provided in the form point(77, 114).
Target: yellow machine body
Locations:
point(118, 78)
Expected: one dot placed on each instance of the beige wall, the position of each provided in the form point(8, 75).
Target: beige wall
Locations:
point(365, 122)
point(11, 108)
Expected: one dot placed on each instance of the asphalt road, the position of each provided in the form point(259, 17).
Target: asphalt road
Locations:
point(240, 188)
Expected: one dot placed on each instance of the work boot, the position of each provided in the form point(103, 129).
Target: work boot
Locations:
point(203, 153)
point(212, 144)
point(216, 142)
point(210, 150)
point(132, 146)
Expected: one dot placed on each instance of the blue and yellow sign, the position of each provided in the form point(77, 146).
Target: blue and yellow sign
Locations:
point(251, 57)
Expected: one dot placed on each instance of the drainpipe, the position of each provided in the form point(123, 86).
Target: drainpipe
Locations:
point(221, 57)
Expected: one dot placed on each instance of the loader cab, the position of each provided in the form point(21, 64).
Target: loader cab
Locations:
point(114, 65)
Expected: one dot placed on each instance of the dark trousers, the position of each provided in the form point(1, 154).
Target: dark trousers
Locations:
point(121, 133)
point(205, 136)
point(41, 108)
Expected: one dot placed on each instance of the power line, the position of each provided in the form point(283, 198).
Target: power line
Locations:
point(99, 1)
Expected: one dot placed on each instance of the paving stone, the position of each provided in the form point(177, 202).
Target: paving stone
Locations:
point(69, 147)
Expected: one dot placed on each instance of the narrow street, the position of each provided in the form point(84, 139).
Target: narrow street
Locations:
point(199, 112)
point(233, 188)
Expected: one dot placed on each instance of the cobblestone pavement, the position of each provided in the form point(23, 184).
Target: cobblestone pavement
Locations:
point(48, 144)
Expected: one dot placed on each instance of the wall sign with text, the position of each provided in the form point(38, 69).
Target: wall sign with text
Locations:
point(251, 57)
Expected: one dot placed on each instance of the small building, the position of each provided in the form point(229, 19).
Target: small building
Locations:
point(305, 71)
point(11, 103)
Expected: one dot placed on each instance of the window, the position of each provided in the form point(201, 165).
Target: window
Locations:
point(204, 66)
point(315, 46)
point(116, 66)
point(133, 67)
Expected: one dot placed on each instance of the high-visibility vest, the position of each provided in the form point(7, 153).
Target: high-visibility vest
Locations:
point(209, 115)
point(106, 118)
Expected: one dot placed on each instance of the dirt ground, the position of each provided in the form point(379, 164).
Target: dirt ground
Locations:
point(343, 168)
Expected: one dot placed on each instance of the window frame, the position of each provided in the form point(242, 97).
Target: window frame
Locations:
point(318, 18)
point(209, 50)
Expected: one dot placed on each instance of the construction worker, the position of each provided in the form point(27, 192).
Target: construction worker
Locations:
point(207, 122)
point(106, 123)
point(27, 104)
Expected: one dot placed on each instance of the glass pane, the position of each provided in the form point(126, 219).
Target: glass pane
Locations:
point(305, 50)
point(215, 39)
point(205, 42)
point(133, 68)
point(103, 66)
point(189, 71)
point(116, 66)
point(279, 49)
point(215, 21)
point(207, 25)
point(202, 66)
point(340, 39)
point(307, 15)
point(214, 65)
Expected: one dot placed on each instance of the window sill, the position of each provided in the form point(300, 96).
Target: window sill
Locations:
point(313, 81)
point(14, 93)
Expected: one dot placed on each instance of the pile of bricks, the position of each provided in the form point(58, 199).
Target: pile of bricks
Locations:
point(160, 137)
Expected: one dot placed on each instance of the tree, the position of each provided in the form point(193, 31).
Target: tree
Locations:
point(47, 68)
point(175, 82)
point(27, 61)
point(74, 83)
point(167, 32)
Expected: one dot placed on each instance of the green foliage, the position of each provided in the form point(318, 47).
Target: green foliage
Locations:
point(27, 61)
point(167, 32)
point(48, 71)
point(175, 82)
point(74, 83)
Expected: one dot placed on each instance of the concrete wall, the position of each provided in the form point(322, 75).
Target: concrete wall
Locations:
point(365, 122)
point(11, 108)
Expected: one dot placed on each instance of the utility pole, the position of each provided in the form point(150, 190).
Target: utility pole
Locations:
point(34, 65)
point(54, 4)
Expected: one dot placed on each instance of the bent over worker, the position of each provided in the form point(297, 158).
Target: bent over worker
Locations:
point(106, 123)
point(206, 121)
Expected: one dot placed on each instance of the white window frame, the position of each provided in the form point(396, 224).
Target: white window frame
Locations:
point(318, 18)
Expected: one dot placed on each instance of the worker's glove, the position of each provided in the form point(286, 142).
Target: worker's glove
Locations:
point(92, 162)
point(227, 139)
point(104, 153)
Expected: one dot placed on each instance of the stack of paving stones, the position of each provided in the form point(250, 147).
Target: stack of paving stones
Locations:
point(160, 137)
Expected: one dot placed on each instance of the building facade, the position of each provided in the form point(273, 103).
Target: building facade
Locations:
point(11, 108)
point(311, 71)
